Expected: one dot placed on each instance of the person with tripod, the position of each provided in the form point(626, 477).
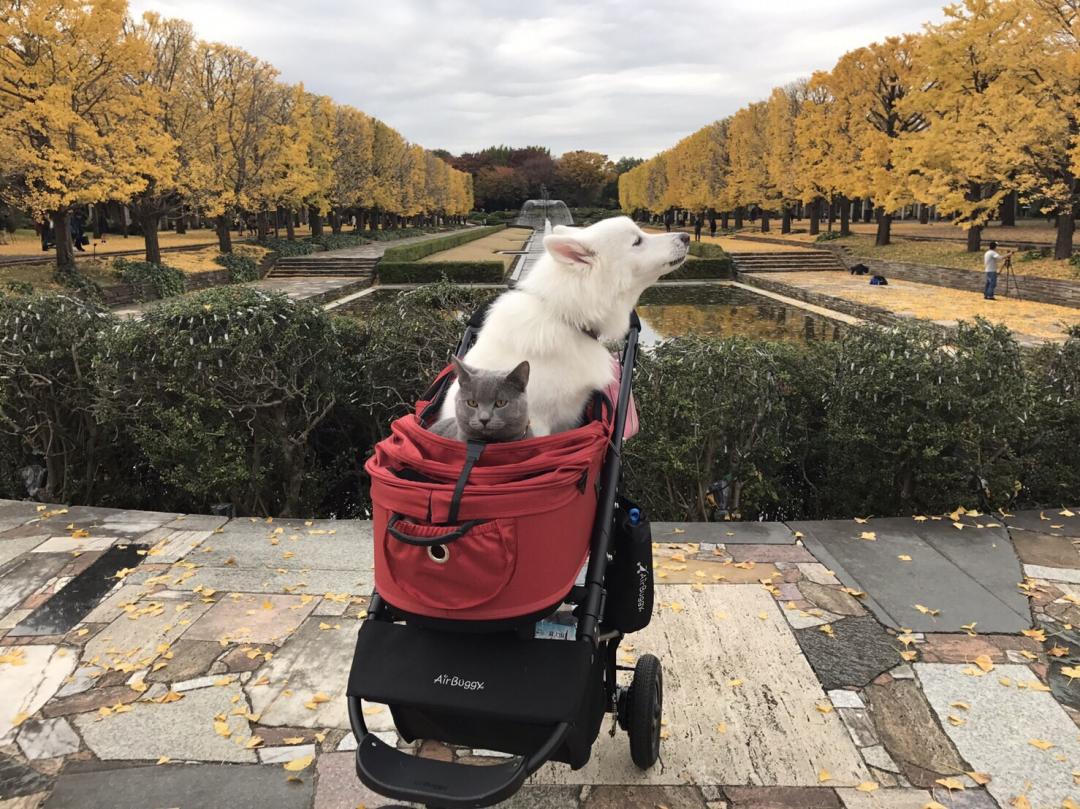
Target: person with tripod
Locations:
point(991, 261)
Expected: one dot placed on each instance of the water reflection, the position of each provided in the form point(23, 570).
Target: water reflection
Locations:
point(723, 311)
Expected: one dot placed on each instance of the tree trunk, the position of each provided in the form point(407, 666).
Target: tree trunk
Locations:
point(65, 247)
point(1066, 227)
point(764, 221)
point(262, 227)
point(832, 212)
point(924, 213)
point(724, 220)
point(98, 228)
point(845, 216)
point(738, 217)
point(315, 220)
point(290, 228)
point(815, 216)
point(785, 221)
point(221, 223)
point(884, 228)
point(1008, 210)
point(974, 239)
point(181, 220)
point(148, 221)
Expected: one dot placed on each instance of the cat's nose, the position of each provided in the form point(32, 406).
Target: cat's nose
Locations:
point(484, 419)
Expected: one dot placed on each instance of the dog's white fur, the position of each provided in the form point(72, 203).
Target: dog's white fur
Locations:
point(589, 279)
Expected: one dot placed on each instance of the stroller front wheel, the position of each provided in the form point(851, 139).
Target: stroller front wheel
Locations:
point(646, 706)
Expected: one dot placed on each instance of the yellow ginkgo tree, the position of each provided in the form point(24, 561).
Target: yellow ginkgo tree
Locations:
point(74, 130)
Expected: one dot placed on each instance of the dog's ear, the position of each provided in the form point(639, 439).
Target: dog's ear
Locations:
point(569, 250)
point(564, 229)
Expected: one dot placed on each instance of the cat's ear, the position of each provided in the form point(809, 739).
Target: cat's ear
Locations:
point(569, 250)
point(464, 372)
point(519, 377)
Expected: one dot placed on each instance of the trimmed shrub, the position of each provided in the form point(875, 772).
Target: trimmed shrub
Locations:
point(829, 237)
point(1036, 255)
point(223, 393)
point(706, 250)
point(418, 272)
point(19, 287)
point(241, 268)
point(286, 249)
point(47, 392)
point(339, 241)
point(701, 268)
point(1074, 259)
point(166, 281)
point(415, 252)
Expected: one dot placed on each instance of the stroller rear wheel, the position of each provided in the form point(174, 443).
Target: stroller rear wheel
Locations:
point(644, 710)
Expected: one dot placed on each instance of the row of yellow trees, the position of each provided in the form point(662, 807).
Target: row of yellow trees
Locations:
point(981, 107)
point(95, 106)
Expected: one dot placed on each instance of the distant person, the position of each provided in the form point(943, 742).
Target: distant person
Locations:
point(698, 222)
point(712, 224)
point(991, 261)
point(77, 237)
point(669, 217)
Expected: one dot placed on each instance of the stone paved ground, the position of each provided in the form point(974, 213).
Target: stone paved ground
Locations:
point(153, 660)
point(1031, 321)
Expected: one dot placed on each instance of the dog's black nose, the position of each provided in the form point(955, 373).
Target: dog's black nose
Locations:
point(685, 238)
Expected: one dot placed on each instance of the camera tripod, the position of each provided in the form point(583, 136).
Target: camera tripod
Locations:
point(1009, 278)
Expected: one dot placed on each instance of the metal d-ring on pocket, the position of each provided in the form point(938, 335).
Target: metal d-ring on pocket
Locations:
point(439, 554)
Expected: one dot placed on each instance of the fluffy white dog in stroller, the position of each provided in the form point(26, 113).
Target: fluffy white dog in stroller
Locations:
point(579, 293)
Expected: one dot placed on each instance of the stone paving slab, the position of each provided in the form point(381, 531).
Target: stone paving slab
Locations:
point(998, 728)
point(127, 641)
point(179, 786)
point(773, 733)
point(180, 730)
point(27, 574)
point(1047, 550)
point(267, 618)
point(1042, 519)
point(28, 685)
point(968, 575)
point(14, 547)
point(247, 580)
point(347, 549)
point(723, 533)
point(293, 681)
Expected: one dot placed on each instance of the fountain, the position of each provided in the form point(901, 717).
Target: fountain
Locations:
point(536, 212)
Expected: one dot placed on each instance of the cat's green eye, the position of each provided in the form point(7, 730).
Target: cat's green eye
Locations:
point(471, 403)
point(500, 402)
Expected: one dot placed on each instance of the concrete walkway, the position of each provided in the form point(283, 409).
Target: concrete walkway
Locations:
point(165, 660)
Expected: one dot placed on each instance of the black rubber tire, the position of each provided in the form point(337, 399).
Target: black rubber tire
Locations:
point(646, 708)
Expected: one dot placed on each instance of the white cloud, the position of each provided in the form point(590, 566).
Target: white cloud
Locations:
point(615, 76)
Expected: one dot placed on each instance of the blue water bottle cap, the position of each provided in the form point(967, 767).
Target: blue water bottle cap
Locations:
point(635, 516)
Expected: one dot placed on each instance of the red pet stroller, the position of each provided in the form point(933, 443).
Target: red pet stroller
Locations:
point(477, 549)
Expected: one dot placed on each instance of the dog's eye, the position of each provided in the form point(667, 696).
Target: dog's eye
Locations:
point(471, 403)
point(500, 402)
point(637, 241)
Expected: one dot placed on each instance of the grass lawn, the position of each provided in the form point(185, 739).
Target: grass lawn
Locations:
point(40, 275)
point(952, 254)
point(1031, 320)
point(484, 249)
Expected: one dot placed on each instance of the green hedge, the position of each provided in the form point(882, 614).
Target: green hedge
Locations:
point(701, 268)
point(241, 268)
point(166, 281)
point(285, 248)
point(415, 252)
point(426, 272)
point(706, 250)
point(233, 395)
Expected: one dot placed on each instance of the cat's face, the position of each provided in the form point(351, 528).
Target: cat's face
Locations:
point(491, 405)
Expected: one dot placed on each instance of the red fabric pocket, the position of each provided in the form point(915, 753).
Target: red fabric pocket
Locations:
point(465, 573)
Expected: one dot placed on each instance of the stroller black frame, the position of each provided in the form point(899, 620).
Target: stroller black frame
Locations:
point(442, 785)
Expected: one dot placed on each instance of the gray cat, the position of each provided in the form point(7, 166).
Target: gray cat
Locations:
point(491, 405)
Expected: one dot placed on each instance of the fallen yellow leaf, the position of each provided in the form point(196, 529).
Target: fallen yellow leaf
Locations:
point(222, 729)
point(1040, 743)
point(950, 783)
point(824, 776)
point(164, 760)
point(984, 662)
point(823, 708)
point(869, 536)
point(299, 764)
point(1020, 802)
point(735, 683)
point(293, 739)
point(980, 778)
point(867, 786)
point(963, 706)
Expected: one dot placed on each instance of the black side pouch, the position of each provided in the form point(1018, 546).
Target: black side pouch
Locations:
point(629, 580)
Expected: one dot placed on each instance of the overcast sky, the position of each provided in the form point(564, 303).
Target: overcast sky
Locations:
point(623, 78)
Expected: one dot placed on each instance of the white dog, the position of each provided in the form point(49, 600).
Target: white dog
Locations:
point(580, 292)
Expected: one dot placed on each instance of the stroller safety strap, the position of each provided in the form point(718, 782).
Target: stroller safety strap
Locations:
point(428, 542)
point(473, 451)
